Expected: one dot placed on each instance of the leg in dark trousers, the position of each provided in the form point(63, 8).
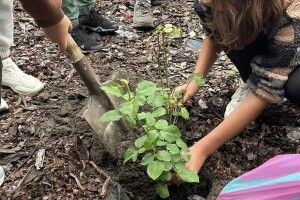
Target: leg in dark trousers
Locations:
point(242, 58)
point(292, 87)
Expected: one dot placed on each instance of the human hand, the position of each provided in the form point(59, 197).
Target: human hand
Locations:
point(189, 90)
point(58, 33)
point(197, 159)
point(195, 163)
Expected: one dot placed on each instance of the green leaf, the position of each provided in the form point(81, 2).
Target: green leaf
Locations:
point(185, 156)
point(147, 159)
point(177, 158)
point(156, 100)
point(129, 154)
point(114, 89)
point(169, 137)
point(185, 174)
point(162, 190)
point(161, 111)
point(173, 129)
point(173, 149)
point(166, 176)
point(198, 78)
point(143, 115)
point(146, 88)
point(161, 124)
point(151, 139)
point(155, 169)
point(127, 96)
point(184, 113)
point(130, 121)
point(111, 116)
point(178, 95)
point(168, 28)
point(171, 134)
point(164, 156)
point(176, 33)
point(169, 25)
point(158, 29)
point(124, 81)
point(139, 143)
point(180, 143)
point(168, 166)
point(130, 108)
point(152, 135)
point(150, 121)
point(135, 156)
point(161, 143)
point(141, 150)
point(141, 99)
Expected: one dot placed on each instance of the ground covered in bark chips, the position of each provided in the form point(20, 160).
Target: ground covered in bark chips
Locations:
point(49, 152)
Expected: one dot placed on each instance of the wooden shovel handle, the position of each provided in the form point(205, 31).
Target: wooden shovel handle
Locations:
point(73, 50)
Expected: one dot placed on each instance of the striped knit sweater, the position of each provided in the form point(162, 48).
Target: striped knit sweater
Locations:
point(270, 72)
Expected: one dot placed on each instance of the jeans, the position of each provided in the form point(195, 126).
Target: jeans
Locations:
point(242, 58)
point(76, 8)
point(6, 31)
point(6, 27)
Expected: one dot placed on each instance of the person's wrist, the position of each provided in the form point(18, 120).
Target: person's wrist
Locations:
point(198, 72)
point(201, 150)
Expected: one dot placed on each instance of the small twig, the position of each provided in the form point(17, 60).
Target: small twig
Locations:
point(70, 76)
point(77, 181)
point(100, 171)
point(105, 187)
point(23, 163)
point(106, 183)
point(30, 175)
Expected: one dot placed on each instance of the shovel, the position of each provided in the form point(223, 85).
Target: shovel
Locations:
point(98, 103)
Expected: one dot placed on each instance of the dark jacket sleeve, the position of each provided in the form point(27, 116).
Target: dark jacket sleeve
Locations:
point(45, 12)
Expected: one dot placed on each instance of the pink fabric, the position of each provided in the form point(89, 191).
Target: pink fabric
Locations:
point(283, 191)
point(277, 179)
point(284, 161)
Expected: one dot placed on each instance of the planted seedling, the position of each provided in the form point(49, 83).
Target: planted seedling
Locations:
point(155, 109)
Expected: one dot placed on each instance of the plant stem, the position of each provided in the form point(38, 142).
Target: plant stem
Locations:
point(166, 63)
point(158, 61)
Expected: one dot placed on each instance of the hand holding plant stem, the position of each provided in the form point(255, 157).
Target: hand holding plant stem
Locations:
point(189, 90)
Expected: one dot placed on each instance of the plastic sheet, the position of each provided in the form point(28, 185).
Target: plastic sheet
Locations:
point(277, 179)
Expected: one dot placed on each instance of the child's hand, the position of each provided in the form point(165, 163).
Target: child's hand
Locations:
point(197, 159)
point(58, 33)
point(189, 90)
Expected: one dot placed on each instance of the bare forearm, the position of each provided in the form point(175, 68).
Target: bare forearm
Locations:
point(45, 12)
point(207, 57)
point(238, 120)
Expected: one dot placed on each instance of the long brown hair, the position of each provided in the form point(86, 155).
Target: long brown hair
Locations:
point(238, 22)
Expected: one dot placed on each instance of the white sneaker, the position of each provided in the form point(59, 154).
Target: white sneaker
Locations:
point(2, 175)
point(3, 106)
point(17, 80)
point(237, 98)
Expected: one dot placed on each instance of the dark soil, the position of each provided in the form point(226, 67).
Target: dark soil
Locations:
point(50, 120)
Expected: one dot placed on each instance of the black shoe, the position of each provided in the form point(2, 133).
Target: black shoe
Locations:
point(84, 40)
point(97, 23)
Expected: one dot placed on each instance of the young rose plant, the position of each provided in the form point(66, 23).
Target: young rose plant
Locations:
point(155, 110)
